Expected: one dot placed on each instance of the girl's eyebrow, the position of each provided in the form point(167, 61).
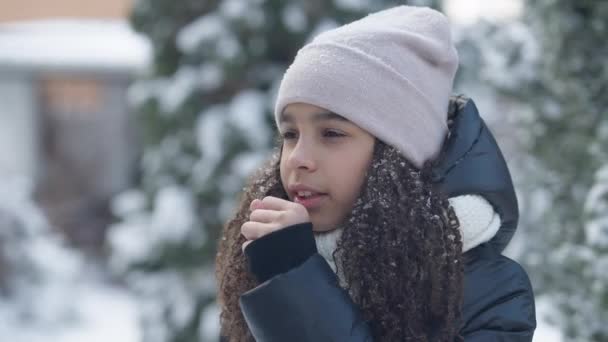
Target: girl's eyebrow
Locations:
point(320, 116)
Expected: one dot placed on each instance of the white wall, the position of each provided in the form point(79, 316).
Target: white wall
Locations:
point(18, 127)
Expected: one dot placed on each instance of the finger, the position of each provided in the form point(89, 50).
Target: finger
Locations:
point(254, 230)
point(245, 244)
point(265, 216)
point(275, 203)
point(255, 204)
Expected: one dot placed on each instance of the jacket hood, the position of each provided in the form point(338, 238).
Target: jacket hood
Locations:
point(471, 163)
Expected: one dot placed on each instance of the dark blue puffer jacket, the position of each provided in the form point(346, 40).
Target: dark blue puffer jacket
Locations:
point(299, 299)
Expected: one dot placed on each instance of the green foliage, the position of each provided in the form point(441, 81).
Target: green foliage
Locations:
point(569, 138)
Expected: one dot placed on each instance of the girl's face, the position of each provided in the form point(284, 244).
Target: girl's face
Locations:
point(323, 162)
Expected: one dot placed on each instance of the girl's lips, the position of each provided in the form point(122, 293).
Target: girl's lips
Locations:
point(310, 202)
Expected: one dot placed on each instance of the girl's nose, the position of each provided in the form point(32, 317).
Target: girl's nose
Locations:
point(302, 156)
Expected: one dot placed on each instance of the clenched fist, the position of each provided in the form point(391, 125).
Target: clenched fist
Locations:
point(270, 214)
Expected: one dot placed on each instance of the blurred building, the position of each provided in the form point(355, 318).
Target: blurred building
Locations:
point(19, 10)
point(65, 67)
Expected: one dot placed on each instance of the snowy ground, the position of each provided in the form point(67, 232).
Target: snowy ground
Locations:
point(104, 314)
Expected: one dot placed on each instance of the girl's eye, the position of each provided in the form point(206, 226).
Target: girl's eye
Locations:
point(333, 134)
point(288, 135)
point(330, 133)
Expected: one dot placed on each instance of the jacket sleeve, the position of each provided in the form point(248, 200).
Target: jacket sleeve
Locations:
point(305, 303)
point(498, 303)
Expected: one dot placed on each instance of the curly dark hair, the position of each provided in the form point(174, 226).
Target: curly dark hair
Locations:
point(400, 253)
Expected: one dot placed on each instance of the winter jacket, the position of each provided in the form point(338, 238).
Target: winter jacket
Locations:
point(299, 298)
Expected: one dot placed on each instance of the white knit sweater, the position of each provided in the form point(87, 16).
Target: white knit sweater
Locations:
point(478, 224)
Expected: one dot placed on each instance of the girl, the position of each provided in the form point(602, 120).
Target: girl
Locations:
point(383, 213)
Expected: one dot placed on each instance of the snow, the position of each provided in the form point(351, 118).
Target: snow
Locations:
point(228, 48)
point(493, 53)
point(497, 61)
point(210, 323)
point(100, 313)
point(207, 28)
point(209, 137)
point(597, 199)
point(545, 330)
point(597, 232)
point(173, 213)
point(245, 163)
point(234, 9)
point(107, 314)
point(171, 92)
point(468, 12)
point(353, 5)
point(596, 207)
point(141, 91)
point(74, 44)
point(175, 90)
point(51, 292)
point(162, 294)
point(247, 11)
point(247, 112)
point(129, 202)
point(211, 76)
point(169, 296)
point(294, 18)
point(602, 131)
point(591, 264)
point(140, 233)
point(323, 25)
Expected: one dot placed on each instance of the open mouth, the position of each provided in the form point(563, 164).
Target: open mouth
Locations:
point(309, 199)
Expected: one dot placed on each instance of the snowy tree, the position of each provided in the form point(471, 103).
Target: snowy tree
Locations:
point(567, 132)
point(35, 269)
point(205, 118)
point(49, 291)
point(496, 57)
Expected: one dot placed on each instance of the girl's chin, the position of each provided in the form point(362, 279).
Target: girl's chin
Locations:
point(323, 224)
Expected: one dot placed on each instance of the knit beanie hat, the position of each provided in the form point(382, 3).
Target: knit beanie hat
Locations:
point(391, 73)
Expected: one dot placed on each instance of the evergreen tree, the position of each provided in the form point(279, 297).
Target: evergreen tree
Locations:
point(568, 137)
point(205, 113)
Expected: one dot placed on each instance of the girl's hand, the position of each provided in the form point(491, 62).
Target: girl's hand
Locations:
point(270, 214)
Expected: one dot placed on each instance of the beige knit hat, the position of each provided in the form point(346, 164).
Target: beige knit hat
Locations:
point(391, 73)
